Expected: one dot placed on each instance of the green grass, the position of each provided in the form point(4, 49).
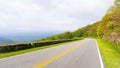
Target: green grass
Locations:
point(110, 53)
point(3, 55)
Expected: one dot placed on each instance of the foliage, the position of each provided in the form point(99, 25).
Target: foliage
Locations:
point(117, 3)
point(110, 53)
point(3, 55)
point(107, 28)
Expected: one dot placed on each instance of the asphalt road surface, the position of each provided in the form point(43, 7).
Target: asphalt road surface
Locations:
point(79, 54)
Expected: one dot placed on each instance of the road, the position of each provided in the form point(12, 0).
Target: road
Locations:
point(79, 54)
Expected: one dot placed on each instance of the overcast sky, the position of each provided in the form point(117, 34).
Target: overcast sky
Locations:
point(49, 15)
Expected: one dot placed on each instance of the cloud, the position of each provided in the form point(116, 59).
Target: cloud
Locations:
point(50, 15)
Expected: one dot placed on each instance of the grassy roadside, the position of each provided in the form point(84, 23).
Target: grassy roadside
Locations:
point(3, 55)
point(110, 53)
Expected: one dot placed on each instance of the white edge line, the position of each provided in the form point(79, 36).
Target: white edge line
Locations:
point(100, 57)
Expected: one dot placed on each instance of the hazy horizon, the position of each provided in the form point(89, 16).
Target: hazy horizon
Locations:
point(27, 37)
point(19, 17)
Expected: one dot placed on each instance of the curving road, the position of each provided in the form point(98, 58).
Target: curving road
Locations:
point(79, 54)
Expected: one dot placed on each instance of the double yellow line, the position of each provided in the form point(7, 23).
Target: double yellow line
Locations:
point(43, 64)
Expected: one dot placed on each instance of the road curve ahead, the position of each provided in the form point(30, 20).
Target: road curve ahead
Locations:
point(80, 54)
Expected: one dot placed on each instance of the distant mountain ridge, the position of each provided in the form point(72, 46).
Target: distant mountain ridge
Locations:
point(25, 37)
point(5, 40)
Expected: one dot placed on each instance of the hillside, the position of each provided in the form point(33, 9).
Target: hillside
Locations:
point(107, 28)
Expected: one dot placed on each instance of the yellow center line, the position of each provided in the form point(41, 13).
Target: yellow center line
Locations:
point(43, 64)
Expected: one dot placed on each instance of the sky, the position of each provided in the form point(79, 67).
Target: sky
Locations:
point(24, 16)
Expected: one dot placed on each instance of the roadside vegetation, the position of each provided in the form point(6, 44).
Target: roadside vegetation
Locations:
point(110, 53)
point(22, 51)
point(22, 46)
point(108, 28)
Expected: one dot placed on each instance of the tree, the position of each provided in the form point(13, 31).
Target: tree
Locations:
point(117, 3)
